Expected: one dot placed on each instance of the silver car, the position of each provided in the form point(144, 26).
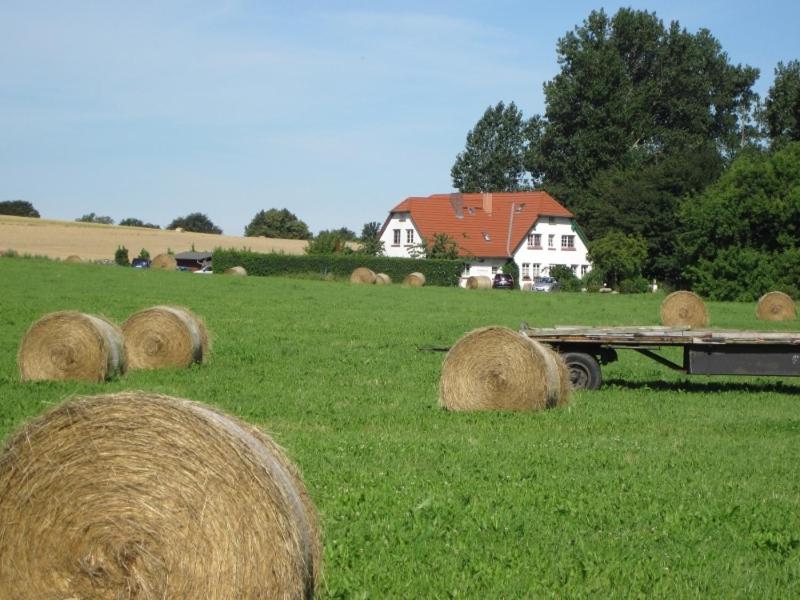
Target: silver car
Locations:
point(545, 284)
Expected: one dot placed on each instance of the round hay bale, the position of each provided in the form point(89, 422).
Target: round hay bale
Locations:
point(165, 337)
point(563, 374)
point(137, 495)
point(71, 345)
point(166, 262)
point(73, 258)
point(414, 280)
point(479, 282)
point(684, 309)
point(237, 270)
point(776, 306)
point(382, 279)
point(495, 368)
point(362, 275)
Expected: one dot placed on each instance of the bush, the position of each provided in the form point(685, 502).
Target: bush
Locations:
point(121, 257)
point(634, 285)
point(437, 271)
point(593, 280)
point(566, 277)
point(511, 268)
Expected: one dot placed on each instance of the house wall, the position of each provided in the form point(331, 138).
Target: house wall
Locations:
point(482, 266)
point(547, 256)
point(400, 222)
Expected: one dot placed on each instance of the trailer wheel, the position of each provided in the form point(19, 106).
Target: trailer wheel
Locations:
point(584, 371)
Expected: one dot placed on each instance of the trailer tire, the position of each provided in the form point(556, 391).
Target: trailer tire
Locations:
point(584, 371)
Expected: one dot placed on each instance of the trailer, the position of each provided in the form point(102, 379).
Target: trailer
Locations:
point(705, 352)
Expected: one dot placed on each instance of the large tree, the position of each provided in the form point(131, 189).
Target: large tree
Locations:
point(370, 239)
point(492, 160)
point(18, 208)
point(782, 105)
point(196, 222)
point(274, 223)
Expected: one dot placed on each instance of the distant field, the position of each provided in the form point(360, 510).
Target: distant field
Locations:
point(92, 241)
point(658, 485)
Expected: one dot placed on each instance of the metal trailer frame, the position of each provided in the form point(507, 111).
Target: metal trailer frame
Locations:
point(705, 352)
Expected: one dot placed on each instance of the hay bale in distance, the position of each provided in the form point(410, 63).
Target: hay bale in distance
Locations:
point(166, 262)
point(137, 495)
point(73, 258)
point(776, 306)
point(237, 270)
point(382, 279)
point(495, 368)
point(70, 345)
point(165, 337)
point(684, 309)
point(414, 280)
point(479, 282)
point(362, 275)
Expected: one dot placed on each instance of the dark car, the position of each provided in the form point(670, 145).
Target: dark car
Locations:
point(141, 263)
point(503, 281)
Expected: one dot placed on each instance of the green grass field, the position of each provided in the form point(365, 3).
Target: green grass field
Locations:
point(657, 485)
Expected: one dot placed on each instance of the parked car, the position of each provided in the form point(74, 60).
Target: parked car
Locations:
point(545, 284)
point(140, 263)
point(204, 270)
point(503, 281)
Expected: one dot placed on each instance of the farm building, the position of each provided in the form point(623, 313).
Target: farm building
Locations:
point(532, 228)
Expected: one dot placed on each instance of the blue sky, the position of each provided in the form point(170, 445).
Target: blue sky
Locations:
point(334, 110)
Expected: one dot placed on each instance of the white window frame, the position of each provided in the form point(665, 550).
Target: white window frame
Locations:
point(551, 241)
point(409, 236)
point(534, 240)
point(568, 242)
point(526, 270)
point(536, 269)
point(395, 237)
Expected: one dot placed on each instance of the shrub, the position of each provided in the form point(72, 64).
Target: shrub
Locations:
point(634, 285)
point(121, 257)
point(566, 277)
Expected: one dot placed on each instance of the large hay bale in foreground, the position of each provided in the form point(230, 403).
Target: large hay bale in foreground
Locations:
point(237, 270)
point(776, 306)
point(73, 258)
point(166, 262)
point(684, 309)
point(414, 280)
point(362, 275)
point(165, 337)
point(71, 345)
point(479, 282)
point(137, 495)
point(495, 368)
point(382, 279)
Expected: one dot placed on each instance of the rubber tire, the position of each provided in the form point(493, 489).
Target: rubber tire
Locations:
point(584, 371)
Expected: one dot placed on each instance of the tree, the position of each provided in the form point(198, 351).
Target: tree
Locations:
point(274, 223)
point(618, 256)
point(195, 222)
point(93, 218)
point(740, 236)
point(328, 242)
point(371, 243)
point(782, 105)
point(130, 222)
point(493, 158)
point(441, 246)
point(121, 257)
point(18, 208)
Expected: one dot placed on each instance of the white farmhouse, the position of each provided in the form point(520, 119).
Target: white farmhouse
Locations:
point(531, 228)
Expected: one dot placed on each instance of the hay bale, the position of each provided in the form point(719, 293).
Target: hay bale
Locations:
point(776, 306)
point(165, 337)
point(414, 280)
point(73, 258)
point(137, 495)
point(166, 262)
point(495, 368)
point(564, 378)
point(382, 279)
point(684, 309)
point(479, 282)
point(237, 270)
point(71, 345)
point(362, 275)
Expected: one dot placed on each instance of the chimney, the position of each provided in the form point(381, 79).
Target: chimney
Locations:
point(457, 202)
point(487, 203)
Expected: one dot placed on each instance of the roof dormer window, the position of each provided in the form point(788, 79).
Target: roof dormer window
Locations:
point(486, 236)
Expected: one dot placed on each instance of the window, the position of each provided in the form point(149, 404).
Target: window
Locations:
point(494, 269)
point(551, 241)
point(409, 236)
point(534, 240)
point(574, 269)
point(536, 269)
point(466, 271)
point(396, 238)
point(526, 270)
point(401, 217)
point(584, 270)
point(551, 220)
point(568, 242)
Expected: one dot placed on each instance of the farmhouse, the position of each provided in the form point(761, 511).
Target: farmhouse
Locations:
point(530, 228)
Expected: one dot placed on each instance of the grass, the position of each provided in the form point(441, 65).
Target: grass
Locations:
point(657, 485)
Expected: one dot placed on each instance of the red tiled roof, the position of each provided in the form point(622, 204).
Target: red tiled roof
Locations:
point(482, 230)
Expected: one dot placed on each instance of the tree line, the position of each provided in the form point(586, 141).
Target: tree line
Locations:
point(672, 164)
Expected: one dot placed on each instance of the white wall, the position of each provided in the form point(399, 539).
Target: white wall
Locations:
point(547, 256)
point(485, 266)
point(403, 223)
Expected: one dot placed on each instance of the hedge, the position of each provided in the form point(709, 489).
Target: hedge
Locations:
point(437, 271)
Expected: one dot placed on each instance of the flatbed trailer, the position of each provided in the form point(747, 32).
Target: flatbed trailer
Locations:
point(705, 352)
